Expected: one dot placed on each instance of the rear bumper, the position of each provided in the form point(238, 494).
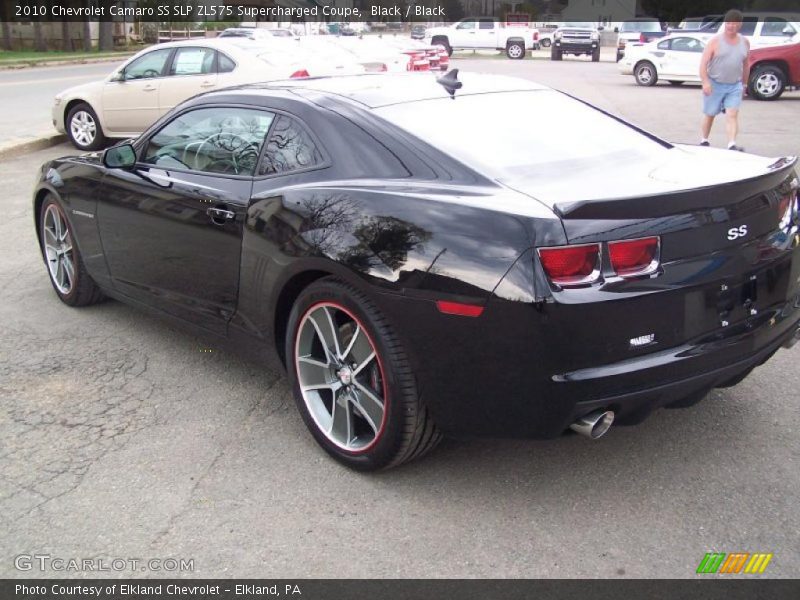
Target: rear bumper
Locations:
point(507, 373)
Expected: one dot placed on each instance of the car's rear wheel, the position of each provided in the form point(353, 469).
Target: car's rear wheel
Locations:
point(767, 82)
point(515, 50)
point(352, 381)
point(67, 273)
point(83, 128)
point(545, 43)
point(645, 74)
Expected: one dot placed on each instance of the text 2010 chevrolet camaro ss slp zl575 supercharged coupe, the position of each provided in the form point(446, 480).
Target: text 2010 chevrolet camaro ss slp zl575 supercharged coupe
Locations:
point(424, 261)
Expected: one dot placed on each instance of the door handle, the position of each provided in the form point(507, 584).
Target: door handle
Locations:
point(149, 88)
point(207, 84)
point(219, 216)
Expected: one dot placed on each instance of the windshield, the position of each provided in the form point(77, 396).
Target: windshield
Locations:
point(635, 26)
point(514, 145)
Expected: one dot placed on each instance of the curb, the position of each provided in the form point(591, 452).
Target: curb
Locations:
point(15, 147)
point(56, 63)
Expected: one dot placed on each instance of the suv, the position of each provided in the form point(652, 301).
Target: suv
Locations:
point(577, 39)
point(638, 30)
point(772, 70)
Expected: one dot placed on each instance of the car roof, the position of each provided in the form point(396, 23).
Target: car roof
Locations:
point(384, 89)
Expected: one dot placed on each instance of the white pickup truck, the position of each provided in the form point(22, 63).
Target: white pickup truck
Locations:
point(484, 33)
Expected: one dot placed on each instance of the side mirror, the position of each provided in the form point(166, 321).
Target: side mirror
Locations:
point(119, 75)
point(788, 30)
point(122, 156)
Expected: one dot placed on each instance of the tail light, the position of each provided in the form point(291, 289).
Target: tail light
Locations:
point(788, 209)
point(571, 265)
point(535, 36)
point(300, 73)
point(630, 258)
point(383, 68)
point(642, 38)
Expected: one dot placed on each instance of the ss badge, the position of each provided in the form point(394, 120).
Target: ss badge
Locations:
point(737, 232)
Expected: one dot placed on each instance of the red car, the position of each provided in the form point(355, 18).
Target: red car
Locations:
point(772, 70)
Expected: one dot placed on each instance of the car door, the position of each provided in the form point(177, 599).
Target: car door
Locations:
point(486, 36)
point(131, 99)
point(686, 55)
point(192, 70)
point(662, 57)
point(171, 227)
point(464, 34)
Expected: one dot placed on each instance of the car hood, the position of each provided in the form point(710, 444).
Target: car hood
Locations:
point(680, 168)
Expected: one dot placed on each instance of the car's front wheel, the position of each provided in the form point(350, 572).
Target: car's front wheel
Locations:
point(545, 43)
point(767, 82)
point(645, 74)
point(67, 273)
point(83, 128)
point(515, 50)
point(352, 381)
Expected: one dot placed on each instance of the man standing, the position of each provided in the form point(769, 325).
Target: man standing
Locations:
point(724, 69)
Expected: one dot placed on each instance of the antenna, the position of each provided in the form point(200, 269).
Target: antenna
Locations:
point(450, 82)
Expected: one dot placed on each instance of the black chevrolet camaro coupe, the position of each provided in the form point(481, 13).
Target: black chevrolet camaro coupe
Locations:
point(424, 259)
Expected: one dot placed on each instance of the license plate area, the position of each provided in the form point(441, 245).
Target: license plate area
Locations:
point(739, 301)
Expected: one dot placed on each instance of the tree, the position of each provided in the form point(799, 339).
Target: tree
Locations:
point(4, 17)
point(453, 10)
point(106, 41)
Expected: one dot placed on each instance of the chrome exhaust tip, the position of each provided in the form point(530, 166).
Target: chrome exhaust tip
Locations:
point(793, 340)
point(594, 425)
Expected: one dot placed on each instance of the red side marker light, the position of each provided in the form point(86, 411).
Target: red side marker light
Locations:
point(300, 73)
point(457, 308)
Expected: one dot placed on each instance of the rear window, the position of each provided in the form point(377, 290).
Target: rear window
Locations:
point(634, 26)
point(512, 133)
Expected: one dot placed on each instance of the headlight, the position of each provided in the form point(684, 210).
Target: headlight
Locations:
point(557, 35)
point(595, 36)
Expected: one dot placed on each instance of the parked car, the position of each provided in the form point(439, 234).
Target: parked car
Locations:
point(576, 38)
point(418, 32)
point(773, 70)
point(764, 28)
point(694, 24)
point(370, 54)
point(422, 270)
point(152, 82)
point(637, 30)
point(483, 33)
point(676, 59)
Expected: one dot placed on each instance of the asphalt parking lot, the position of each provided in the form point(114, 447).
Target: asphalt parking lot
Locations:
point(124, 437)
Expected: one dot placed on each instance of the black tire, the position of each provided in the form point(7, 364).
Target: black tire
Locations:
point(545, 43)
point(83, 290)
point(444, 42)
point(596, 55)
point(555, 53)
point(675, 83)
point(98, 141)
point(515, 50)
point(407, 431)
point(645, 73)
point(767, 82)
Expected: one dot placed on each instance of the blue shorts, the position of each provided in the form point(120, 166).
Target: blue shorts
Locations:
point(723, 95)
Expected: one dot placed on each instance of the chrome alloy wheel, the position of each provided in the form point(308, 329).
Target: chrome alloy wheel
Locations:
point(58, 250)
point(767, 84)
point(515, 51)
point(645, 74)
point(340, 377)
point(83, 128)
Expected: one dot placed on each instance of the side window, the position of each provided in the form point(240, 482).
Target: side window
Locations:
point(212, 140)
point(664, 45)
point(687, 45)
point(150, 65)
point(224, 64)
point(289, 148)
point(466, 25)
point(192, 61)
point(748, 26)
point(486, 24)
point(775, 27)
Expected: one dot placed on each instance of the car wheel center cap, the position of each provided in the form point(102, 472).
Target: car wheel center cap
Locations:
point(345, 375)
